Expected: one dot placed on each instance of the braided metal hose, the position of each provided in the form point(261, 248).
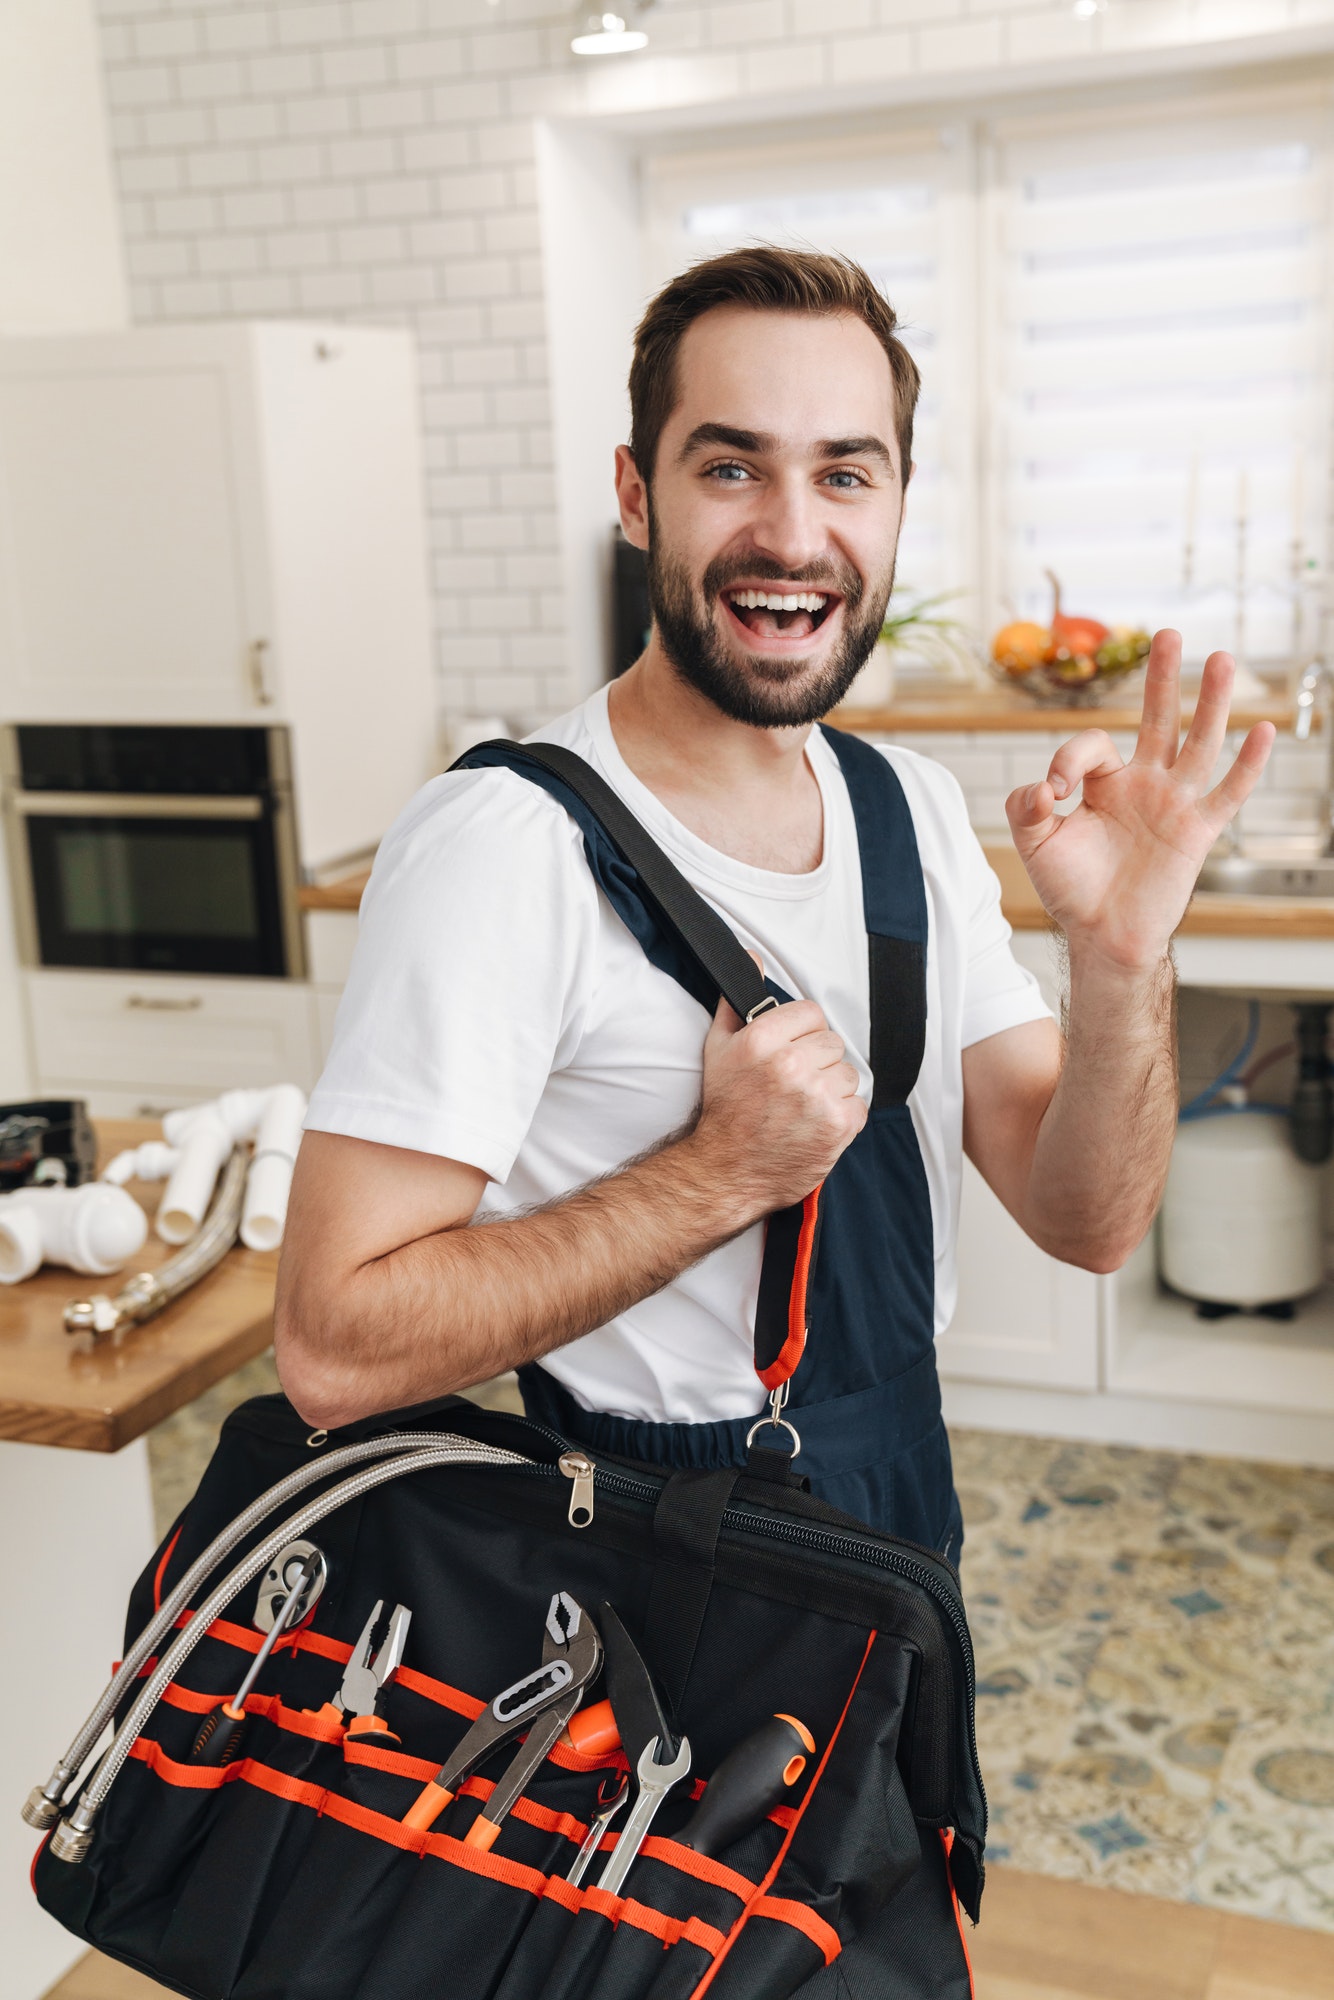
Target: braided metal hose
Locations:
point(42, 1806)
point(72, 1838)
point(146, 1295)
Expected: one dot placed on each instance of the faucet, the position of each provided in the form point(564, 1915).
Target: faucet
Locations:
point(1319, 675)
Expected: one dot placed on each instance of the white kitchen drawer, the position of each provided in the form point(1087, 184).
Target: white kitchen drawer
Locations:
point(160, 1033)
point(331, 937)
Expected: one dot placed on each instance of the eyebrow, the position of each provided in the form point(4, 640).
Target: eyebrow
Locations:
point(765, 441)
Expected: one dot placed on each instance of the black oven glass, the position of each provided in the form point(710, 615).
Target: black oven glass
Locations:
point(156, 895)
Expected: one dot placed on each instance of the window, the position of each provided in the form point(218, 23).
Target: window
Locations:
point(1123, 322)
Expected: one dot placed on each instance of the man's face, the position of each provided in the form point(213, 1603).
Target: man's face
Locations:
point(777, 477)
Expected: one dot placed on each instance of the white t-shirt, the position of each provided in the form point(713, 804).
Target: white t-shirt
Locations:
point(498, 1012)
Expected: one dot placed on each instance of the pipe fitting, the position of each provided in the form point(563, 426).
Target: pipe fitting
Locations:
point(204, 1141)
point(95, 1229)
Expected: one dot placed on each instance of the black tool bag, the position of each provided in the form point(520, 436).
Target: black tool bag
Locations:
point(287, 1874)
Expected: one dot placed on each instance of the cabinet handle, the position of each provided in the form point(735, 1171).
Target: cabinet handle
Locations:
point(154, 1004)
point(259, 685)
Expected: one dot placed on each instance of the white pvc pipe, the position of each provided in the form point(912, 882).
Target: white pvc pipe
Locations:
point(270, 1180)
point(153, 1161)
point(94, 1229)
point(205, 1141)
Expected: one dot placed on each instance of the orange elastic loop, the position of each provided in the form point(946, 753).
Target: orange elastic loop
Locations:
point(785, 1365)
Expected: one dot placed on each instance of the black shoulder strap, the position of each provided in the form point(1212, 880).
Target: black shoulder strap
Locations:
point(727, 965)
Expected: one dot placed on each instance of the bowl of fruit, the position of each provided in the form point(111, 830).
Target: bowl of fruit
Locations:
point(1068, 662)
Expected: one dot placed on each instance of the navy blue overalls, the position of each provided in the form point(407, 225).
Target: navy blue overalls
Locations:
point(853, 1266)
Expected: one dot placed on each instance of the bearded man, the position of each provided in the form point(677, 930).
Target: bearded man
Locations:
point(515, 1050)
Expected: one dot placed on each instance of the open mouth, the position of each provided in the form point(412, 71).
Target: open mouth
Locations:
point(780, 614)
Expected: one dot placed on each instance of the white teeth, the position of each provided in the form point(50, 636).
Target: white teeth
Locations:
point(771, 600)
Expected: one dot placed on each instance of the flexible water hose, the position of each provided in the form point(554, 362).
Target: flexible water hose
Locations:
point(43, 1805)
point(71, 1840)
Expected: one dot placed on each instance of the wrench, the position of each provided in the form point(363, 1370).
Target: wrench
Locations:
point(597, 1826)
point(655, 1781)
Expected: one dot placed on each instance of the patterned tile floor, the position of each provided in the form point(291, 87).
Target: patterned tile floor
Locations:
point(1155, 1647)
point(1155, 1651)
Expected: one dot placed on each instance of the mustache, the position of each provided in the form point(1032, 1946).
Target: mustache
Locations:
point(842, 578)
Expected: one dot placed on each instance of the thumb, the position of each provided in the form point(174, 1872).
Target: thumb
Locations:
point(1032, 815)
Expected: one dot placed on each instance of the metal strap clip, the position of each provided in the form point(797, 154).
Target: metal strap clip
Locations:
point(777, 1403)
point(762, 1007)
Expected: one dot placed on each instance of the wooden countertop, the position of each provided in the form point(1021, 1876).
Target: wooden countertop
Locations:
point(1209, 915)
point(62, 1389)
point(994, 708)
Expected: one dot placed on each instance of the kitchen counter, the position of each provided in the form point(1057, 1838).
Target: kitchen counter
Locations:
point(62, 1389)
point(995, 708)
point(1208, 916)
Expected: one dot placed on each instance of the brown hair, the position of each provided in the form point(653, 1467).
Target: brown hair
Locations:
point(770, 280)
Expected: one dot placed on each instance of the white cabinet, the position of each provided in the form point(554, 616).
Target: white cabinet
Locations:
point(1021, 1315)
point(218, 524)
point(125, 1040)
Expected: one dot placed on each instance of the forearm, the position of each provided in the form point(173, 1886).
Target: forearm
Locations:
point(464, 1304)
point(1103, 1145)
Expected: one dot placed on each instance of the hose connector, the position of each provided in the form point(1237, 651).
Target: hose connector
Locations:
point(74, 1836)
point(39, 1810)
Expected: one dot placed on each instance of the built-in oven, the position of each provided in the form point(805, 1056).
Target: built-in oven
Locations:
point(156, 848)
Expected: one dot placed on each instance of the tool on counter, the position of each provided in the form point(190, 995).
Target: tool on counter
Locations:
point(597, 1826)
point(363, 1677)
point(752, 1779)
point(542, 1702)
point(219, 1738)
point(655, 1782)
point(150, 1291)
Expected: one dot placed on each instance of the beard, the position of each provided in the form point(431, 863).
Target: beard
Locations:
point(781, 693)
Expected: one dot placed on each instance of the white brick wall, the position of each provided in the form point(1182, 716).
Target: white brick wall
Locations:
point(374, 159)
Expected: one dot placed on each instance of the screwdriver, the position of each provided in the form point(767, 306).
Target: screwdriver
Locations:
point(752, 1779)
point(216, 1744)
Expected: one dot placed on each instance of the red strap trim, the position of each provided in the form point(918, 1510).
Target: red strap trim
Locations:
point(161, 1569)
point(38, 1852)
point(822, 1935)
point(624, 1910)
point(794, 1346)
point(762, 1892)
point(947, 1842)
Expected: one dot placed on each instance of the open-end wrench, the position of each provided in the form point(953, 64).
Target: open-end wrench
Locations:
point(655, 1781)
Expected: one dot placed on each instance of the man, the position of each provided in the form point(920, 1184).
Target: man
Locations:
point(509, 1053)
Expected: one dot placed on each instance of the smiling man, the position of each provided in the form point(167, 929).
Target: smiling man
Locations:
point(515, 1052)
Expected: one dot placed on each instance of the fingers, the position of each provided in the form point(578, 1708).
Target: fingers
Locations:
point(1236, 785)
point(1204, 738)
point(1160, 719)
point(1091, 754)
point(1031, 812)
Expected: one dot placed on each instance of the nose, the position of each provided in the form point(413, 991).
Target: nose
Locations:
point(786, 524)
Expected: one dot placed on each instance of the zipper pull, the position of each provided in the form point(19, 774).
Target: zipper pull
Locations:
point(578, 1467)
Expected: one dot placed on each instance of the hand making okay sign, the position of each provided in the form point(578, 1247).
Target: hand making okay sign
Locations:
point(1117, 873)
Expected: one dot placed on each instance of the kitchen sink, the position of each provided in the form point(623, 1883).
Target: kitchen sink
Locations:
point(1253, 875)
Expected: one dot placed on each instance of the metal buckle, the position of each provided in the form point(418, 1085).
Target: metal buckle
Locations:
point(777, 1403)
point(762, 1007)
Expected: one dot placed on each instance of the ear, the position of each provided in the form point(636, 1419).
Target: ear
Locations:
point(632, 496)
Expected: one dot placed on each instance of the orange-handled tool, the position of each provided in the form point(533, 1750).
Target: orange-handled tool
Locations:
point(751, 1780)
point(219, 1738)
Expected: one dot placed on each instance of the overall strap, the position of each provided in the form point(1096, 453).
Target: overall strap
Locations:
point(894, 901)
point(689, 940)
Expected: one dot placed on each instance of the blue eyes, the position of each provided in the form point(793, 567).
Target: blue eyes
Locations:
point(731, 474)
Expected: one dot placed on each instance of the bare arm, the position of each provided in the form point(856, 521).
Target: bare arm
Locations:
point(386, 1297)
point(1077, 1142)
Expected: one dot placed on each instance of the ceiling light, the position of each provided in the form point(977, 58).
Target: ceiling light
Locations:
point(606, 34)
point(1084, 10)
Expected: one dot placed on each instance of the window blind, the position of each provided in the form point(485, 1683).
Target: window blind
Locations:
point(1157, 370)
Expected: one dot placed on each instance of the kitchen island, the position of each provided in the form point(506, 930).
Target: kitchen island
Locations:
point(74, 1490)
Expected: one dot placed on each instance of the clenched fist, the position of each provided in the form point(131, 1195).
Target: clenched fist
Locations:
point(779, 1106)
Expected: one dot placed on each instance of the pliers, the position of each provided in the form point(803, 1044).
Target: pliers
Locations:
point(542, 1702)
point(363, 1677)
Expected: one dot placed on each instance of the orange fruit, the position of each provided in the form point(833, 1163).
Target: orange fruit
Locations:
point(1021, 647)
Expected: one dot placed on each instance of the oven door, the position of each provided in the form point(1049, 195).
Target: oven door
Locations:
point(156, 884)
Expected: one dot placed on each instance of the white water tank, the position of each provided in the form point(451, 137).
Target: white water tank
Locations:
point(1241, 1222)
